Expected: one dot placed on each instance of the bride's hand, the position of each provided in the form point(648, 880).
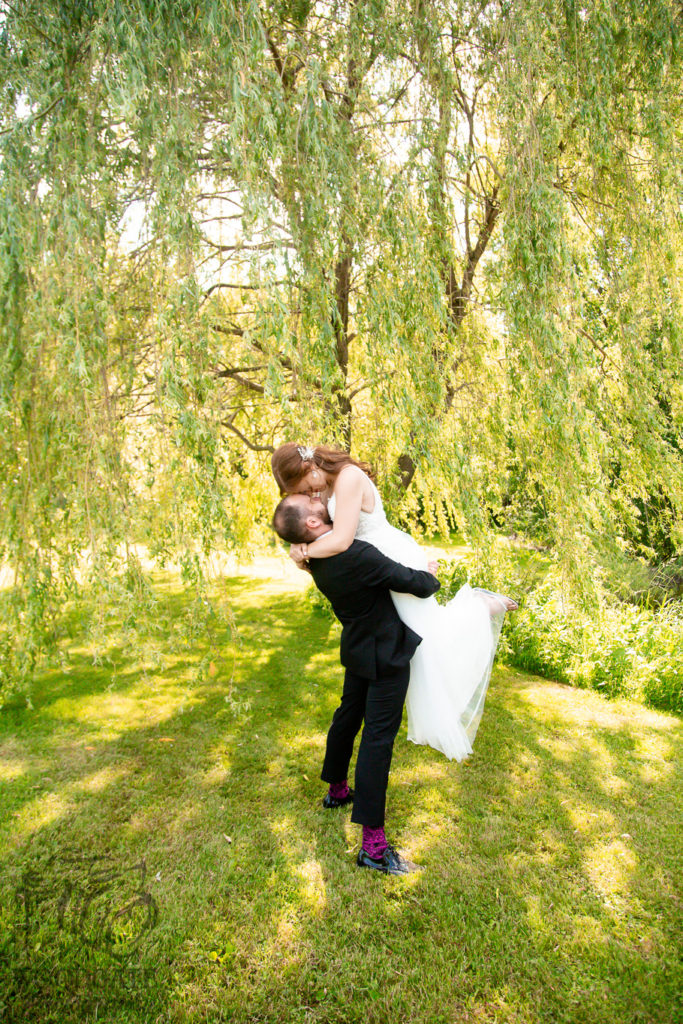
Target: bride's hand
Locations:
point(433, 567)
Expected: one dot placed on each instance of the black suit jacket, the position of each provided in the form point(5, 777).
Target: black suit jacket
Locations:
point(357, 582)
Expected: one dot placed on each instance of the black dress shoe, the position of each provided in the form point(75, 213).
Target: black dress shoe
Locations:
point(329, 802)
point(390, 863)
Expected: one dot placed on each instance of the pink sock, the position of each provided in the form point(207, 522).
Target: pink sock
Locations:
point(374, 842)
point(339, 790)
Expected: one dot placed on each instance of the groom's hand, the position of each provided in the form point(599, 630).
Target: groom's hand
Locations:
point(298, 553)
point(433, 567)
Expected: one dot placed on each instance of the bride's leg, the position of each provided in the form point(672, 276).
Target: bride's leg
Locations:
point(497, 602)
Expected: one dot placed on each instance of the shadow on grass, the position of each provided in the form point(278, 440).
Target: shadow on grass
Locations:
point(564, 841)
point(169, 857)
point(85, 780)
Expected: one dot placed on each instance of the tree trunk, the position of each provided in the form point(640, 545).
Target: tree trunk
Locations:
point(341, 332)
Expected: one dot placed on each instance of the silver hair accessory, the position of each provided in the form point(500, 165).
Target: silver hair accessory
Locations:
point(305, 453)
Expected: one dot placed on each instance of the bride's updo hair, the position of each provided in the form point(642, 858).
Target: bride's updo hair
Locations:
point(291, 462)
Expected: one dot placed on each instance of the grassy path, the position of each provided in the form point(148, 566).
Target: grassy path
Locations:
point(165, 857)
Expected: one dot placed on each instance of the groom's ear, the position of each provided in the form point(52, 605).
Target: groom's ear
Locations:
point(313, 522)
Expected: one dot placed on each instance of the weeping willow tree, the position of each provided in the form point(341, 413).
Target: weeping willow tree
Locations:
point(443, 234)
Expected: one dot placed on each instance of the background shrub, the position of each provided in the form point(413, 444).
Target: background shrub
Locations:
point(620, 649)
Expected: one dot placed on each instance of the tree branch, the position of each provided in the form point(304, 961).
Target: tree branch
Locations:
point(249, 246)
point(250, 444)
point(36, 117)
point(244, 381)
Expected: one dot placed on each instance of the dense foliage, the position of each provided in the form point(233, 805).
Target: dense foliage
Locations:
point(444, 233)
point(621, 650)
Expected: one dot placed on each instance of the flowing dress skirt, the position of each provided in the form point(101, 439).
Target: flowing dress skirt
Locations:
point(450, 670)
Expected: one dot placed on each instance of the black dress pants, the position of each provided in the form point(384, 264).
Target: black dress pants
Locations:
point(379, 704)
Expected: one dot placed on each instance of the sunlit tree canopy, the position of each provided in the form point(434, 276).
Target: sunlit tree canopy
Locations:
point(445, 234)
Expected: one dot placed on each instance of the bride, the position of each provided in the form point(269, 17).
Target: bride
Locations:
point(450, 670)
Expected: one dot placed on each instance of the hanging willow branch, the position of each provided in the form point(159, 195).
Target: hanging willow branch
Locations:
point(424, 235)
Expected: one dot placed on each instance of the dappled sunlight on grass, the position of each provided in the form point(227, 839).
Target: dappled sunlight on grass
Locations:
point(587, 933)
point(433, 802)
point(536, 916)
point(285, 830)
point(549, 889)
point(561, 749)
point(615, 787)
point(303, 744)
point(425, 835)
point(39, 812)
point(98, 780)
point(609, 866)
point(582, 817)
point(116, 713)
point(313, 892)
point(655, 767)
point(10, 770)
point(418, 774)
point(593, 710)
point(286, 939)
point(218, 771)
point(296, 844)
point(323, 660)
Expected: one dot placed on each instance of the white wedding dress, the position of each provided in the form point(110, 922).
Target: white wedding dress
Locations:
point(450, 670)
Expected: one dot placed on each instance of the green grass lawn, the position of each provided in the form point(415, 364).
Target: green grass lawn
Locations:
point(165, 856)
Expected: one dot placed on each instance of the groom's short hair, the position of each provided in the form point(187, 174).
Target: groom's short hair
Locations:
point(289, 522)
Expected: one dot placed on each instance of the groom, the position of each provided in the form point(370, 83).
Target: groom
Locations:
point(376, 648)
